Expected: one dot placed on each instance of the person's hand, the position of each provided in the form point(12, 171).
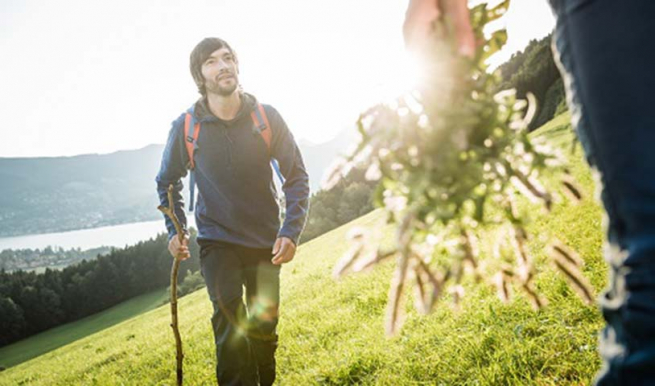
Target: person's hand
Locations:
point(179, 250)
point(421, 15)
point(284, 250)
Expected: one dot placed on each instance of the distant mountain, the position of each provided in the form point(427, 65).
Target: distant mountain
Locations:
point(319, 157)
point(42, 195)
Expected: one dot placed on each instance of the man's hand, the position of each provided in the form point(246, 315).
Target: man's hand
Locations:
point(421, 15)
point(179, 250)
point(284, 250)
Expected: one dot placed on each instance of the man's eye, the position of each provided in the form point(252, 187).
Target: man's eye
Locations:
point(229, 58)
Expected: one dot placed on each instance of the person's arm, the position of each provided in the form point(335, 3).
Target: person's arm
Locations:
point(172, 170)
point(421, 15)
point(296, 184)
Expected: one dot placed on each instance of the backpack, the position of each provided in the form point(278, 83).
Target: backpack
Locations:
point(192, 130)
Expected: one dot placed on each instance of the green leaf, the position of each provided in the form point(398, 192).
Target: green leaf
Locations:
point(378, 196)
point(495, 43)
point(498, 11)
point(479, 208)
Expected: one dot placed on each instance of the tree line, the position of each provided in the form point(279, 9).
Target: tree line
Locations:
point(346, 201)
point(534, 70)
point(48, 257)
point(32, 302)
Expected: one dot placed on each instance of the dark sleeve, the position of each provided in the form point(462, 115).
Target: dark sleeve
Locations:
point(296, 181)
point(172, 170)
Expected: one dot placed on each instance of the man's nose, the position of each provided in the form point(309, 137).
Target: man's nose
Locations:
point(223, 64)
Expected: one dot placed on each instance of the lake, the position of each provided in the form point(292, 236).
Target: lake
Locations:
point(111, 236)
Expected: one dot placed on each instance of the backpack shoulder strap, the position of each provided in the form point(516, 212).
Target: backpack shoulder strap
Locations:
point(260, 120)
point(262, 125)
point(191, 132)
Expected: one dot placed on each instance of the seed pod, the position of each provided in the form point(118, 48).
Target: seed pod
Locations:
point(356, 234)
point(575, 279)
point(470, 252)
point(532, 109)
point(525, 273)
point(373, 172)
point(347, 260)
point(502, 286)
point(433, 280)
point(559, 249)
point(394, 309)
point(457, 290)
point(571, 190)
point(537, 302)
point(419, 292)
point(509, 205)
point(518, 242)
point(371, 260)
point(507, 272)
point(532, 188)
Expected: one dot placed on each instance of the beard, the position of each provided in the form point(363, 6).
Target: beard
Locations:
point(215, 87)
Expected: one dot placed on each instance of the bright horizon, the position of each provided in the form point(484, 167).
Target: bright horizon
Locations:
point(97, 77)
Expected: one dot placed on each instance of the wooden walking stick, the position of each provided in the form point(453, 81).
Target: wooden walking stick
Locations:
point(170, 212)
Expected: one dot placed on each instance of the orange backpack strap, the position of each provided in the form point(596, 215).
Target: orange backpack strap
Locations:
point(262, 125)
point(260, 120)
point(191, 132)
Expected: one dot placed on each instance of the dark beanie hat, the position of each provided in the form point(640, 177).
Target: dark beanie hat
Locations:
point(200, 54)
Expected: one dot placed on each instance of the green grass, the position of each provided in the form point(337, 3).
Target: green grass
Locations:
point(331, 333)
point(558, 131)
point(60, 336)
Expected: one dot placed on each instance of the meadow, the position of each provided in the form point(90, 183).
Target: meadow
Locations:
point(332, 332)
point(54, 338)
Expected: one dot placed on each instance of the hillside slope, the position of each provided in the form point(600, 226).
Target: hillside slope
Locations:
point(331, 333)
point(56, 337)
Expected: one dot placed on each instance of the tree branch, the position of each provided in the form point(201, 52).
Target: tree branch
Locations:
point(170, 212)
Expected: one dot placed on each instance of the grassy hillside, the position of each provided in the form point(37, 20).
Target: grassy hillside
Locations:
point(331, 333)
point(60, 336)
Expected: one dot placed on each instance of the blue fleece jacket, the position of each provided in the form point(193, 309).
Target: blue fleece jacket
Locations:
point(236, 194)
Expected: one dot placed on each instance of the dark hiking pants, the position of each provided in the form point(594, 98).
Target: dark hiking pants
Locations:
point(244, 333)
point(607, 58)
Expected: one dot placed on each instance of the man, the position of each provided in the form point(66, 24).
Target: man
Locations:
point(241, 242)
point(604, 52)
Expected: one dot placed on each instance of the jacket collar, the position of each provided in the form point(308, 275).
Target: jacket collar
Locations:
point(202, 113)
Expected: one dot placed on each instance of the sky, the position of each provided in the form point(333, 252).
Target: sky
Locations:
point(79, 77)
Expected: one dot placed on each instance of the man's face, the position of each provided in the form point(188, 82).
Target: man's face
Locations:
point(220, 72)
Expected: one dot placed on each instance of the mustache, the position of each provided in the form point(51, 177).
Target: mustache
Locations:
point(224, 74)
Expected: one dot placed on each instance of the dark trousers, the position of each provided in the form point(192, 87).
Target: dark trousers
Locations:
point(244, 333)
point(605, 49)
